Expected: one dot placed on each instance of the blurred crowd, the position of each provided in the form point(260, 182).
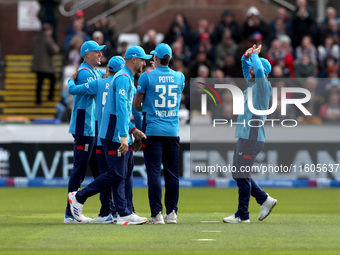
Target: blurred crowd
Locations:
point(303, 53)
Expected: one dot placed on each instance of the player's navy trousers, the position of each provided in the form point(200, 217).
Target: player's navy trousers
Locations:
point(244, 157)
point(115, 177)
point(162, 150)
point(105, 195)
point(83, 147)
point(129, 181)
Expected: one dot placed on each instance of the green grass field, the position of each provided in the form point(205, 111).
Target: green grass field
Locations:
point(305, 221)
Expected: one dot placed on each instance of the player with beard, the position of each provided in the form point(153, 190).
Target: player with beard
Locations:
point(251, 138)
point(114, 133)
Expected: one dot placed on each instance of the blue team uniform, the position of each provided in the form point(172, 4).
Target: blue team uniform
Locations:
point(99, 89)
point(262, 93)
point(82, 127)
point(115, 124)
point(162, 90)
point(251, 139)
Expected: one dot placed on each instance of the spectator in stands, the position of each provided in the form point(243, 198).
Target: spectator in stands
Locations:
point(254, 23)
point(178, 65)
point(122, 49)
point(106, 25)
point(333, 30)
point(151, 42)
point(281, 25)
point(330, 111)
point(98, 37)
point(179, 53)
point(303, 21)
point(306, 47)
point(49, 13)
point(277, 55)
point(73, 52)
point(311, 84)
point(173, 33)
point(203, 27)
point(328, 54)
point(304, 67)
point(258, 37)
point(330, 15)
point(201, 59)
point(226, 47)
point(309, 119)
point(206, 46)
point(43, 49)
point(227, 22)
point(184, 26)
point(230, 69)
point(78, 29)
point(80, 16)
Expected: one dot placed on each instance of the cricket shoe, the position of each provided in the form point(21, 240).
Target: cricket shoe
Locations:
point(267, 207)
point(171, 218)
point(233, 219)
point(104, 220)
point(132, 219)
point(70, 219)
point(158, 219)
point(76, 207)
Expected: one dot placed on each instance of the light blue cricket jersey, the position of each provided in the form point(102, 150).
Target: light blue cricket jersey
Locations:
point(262, 93)
point(117, 110)
point(98, 88)
point(162, 89)
point(83, 117)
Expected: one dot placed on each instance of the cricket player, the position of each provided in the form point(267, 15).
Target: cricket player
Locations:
point(82, 124)
point(114, 133)
point(158, 97)
point(99, 89)
point(251, 139)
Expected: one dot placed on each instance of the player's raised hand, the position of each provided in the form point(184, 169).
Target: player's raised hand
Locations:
point(258, 49)
point(124, 146)
point(250, 50)
point(107, 72)
point(137, 134)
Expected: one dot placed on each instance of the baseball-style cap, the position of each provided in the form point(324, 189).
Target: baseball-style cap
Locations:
point(161, 50)
point(116, 63)
point(136, 52)
point(79, 14)
point(91, 46)
point(267, 67)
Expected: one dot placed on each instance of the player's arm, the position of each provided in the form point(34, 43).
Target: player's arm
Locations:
point(245, 67)
point(89, 88)
point(137, 116)
point(122, 85)
point(143, 82)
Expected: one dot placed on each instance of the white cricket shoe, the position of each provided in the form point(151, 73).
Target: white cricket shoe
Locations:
point(267, 207)
point(158, 219)
point(104, 220)
point(76, 207)
point(233, 219)
point(171, 218)
point(132, 219)
point(70, 219)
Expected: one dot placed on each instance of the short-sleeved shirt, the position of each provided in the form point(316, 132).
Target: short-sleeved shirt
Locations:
point(162, 89)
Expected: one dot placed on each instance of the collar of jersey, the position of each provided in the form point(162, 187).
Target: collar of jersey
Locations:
point(127, 71)
point(163, 68)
